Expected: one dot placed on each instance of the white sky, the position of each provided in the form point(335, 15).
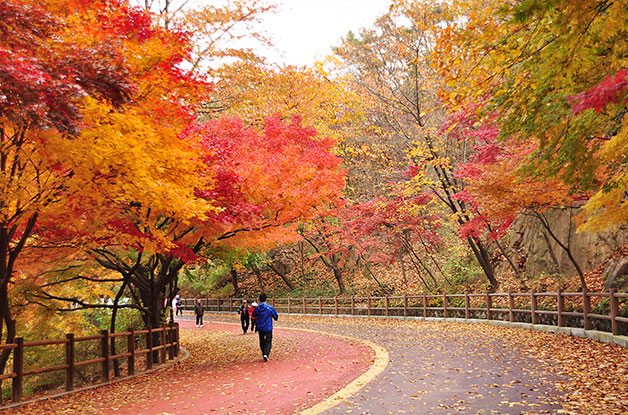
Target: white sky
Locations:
point(305, 30)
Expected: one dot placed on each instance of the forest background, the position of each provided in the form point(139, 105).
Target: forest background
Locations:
point(469, 145)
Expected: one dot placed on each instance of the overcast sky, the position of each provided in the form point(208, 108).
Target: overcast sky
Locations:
point(307, 29)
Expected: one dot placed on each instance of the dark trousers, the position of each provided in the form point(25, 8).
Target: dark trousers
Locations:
point(245, 324)
point(179, 311)
point(265, 342)
point(199, 320)
point(253, 325)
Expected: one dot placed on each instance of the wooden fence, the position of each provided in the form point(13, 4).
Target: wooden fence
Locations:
point(588, 310)
point(167, 344)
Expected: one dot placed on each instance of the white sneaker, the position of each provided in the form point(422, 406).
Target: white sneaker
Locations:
point(197, 325)
point(265, 358)
point(201, 325)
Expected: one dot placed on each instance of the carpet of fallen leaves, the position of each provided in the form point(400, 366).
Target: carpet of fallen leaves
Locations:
point(434, 368)
point(456, 368)
point(225, 374)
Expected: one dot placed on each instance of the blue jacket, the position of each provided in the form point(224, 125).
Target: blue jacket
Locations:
point(265, 314)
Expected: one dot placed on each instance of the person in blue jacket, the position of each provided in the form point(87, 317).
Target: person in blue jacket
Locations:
point(264, 315)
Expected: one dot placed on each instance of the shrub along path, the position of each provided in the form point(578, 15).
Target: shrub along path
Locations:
point(434, 368)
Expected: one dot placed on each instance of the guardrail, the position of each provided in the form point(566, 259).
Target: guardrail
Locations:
point(587, 310)
point(166, 344)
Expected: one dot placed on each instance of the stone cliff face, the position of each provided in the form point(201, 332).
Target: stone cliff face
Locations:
point(532, 246)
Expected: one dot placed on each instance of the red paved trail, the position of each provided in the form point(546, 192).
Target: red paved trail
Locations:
point(314, 367)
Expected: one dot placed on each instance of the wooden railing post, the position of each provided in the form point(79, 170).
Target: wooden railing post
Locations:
point(614, 303)
point(177, 339)
point(368, 305)
point(424, 305)
point(387, 306)
point(171, 342)
point(304, 306)
point(18, 369)
point(511, 307)
point(130, 348)
point(535, 317)
point(467, 303)
point(69, 360)
point(320, 306)
point(445, 304)
point(560, 308)
point(336, 305)
point(104, 353)
point(352, 306)
point(586, 309)
point(162, 337)
point(405, 305)
point(489, 305)
point(272, 302)
point(218, 299)
point(149, 346)
point(289, 308)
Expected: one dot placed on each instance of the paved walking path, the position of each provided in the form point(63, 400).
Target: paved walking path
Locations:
point(417, 368)
point(441, 368)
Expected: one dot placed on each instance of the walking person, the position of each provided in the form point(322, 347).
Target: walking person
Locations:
point(198, 310)
point(243, 310)
point(265, 314)
point(179, 309)
point(253, 319)
point(175, 304)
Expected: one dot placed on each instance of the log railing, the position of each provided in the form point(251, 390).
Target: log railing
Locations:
point(587, 310)
point(167, 347)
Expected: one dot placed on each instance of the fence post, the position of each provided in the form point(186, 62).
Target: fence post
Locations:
point(586, 309)
point(467, 312)
point(69, 360)
point(176, 334)
point(405, 305)
point(149, 346)
point(368, 306)
point(218, 299)
point(511, 306)
point(18, 369)
point(387, 306)
point(162, 351)
point(320, 306)
point(445, 304)
point(289, 301)
point(104, 350)
point(304, 306)
point(535, 317)
point(130, 347)
point(171, 342)
point(272, 302)
point(424, 305)
point(560, 308)
point(614, 302)
point(352, 306)
point(489, 304)
point(336, 305)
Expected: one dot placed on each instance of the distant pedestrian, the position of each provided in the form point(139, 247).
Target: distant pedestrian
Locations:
point(179, 309)
point(253, 320)
point(198, 310)
point(174, 305)
point(265, 314)
point(243, 310)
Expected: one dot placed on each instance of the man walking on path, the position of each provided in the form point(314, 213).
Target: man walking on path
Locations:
point(243, 310)
point(264, 314)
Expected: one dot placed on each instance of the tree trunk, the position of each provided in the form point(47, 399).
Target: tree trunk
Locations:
point(282, 275)
point(112, 329)
point(234, 281)
point(260, 281)
point(339, 280)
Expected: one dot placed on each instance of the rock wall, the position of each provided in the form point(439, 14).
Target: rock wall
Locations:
point(531, 244)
